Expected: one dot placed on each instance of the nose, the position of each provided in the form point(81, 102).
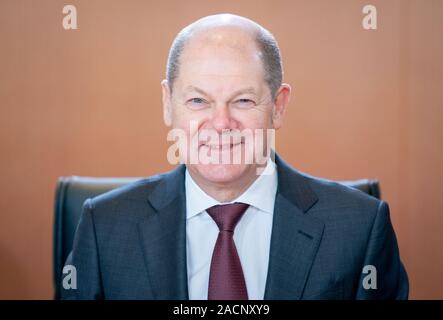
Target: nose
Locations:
point(221, 119)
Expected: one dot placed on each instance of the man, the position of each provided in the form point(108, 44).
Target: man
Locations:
point(216, 230)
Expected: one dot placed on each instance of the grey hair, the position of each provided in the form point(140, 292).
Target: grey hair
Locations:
point(266, 43)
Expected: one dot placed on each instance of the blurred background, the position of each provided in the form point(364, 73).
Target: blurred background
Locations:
point(365, 104)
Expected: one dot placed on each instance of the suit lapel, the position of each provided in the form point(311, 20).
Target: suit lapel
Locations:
point(163, 237)
point(295, 236)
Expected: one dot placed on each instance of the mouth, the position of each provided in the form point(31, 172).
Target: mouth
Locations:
point(221, 147)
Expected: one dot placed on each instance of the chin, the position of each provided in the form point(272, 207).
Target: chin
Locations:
point(221, 173)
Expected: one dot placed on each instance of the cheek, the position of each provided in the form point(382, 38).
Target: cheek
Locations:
point(255, 119)
point(259, 118)
point(181, 117)
point(188, 122)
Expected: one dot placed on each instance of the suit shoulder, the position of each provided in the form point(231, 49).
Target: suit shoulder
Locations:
point(127, 200)
point(131, 190)
point(335, 194)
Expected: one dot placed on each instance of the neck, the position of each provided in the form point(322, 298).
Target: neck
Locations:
point(226, 192)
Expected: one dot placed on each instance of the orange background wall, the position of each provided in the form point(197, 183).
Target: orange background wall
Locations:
point(87, 102)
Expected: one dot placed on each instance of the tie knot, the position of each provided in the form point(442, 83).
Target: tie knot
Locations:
point(226, 216)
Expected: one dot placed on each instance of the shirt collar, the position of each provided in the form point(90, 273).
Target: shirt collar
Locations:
point(260, 194)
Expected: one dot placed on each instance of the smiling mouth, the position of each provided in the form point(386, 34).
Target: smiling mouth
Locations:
point(217, 147)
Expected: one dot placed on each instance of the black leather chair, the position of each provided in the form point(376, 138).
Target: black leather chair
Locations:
point(71, 193)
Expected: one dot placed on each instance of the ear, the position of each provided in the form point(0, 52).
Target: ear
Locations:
point(167, 107)
point(280, 103)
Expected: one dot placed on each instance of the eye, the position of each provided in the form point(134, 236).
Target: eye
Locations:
point(197, 103)
point(196, 100)
point(244, 103)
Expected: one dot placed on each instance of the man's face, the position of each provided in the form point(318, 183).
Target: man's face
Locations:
point(221, 86)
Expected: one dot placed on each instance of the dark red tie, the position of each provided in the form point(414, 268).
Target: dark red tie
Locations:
point(226, 279)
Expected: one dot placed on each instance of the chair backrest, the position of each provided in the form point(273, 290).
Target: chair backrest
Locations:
point(72, 192)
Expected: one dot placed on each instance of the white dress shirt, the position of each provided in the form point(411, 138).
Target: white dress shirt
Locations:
point(252, 235)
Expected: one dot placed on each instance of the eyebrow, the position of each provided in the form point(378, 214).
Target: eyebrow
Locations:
point(250, 90)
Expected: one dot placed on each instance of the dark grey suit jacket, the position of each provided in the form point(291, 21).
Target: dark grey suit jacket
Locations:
point(131, 242)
